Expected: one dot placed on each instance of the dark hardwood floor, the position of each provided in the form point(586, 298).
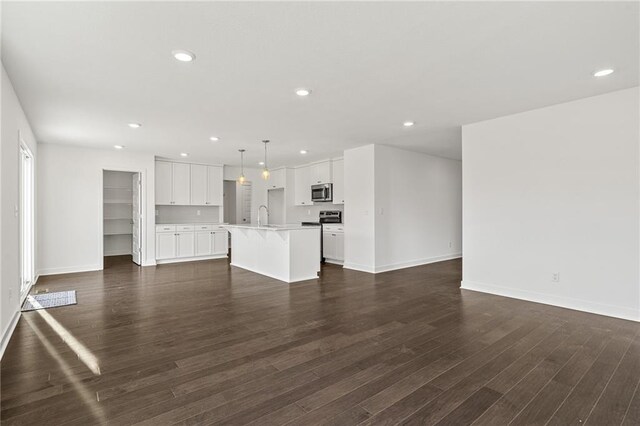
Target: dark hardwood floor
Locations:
point(205, 343)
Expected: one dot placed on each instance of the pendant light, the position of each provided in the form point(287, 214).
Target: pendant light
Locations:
point(241, 178)
point(265, 170)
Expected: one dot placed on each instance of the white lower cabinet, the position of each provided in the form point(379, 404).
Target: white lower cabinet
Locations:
point(175, 243)
point(165, 245)
point(212, 242)
point(333, 243)
point(186, 244)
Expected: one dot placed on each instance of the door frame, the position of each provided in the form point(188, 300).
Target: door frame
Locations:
point(22, 146)
point(143, 211)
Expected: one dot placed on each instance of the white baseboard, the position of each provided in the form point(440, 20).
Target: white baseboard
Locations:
point(6, 336)
point(335, 262)
point(400, 265)
point(358, 267)
point(70, 269)
point(417, 262)
point(550, 299)
point(190, 259)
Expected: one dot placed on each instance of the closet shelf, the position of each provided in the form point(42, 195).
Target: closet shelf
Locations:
point(119, 233)
point(117, 202)
point(118, 218)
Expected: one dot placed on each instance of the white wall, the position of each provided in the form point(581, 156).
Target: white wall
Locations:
point(402, 208)
point(556, 190)
point(13, 121)
point(70, 205)
point(418, 201)
point(359, 209)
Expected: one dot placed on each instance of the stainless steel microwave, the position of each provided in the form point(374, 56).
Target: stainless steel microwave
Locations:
point(322, 193)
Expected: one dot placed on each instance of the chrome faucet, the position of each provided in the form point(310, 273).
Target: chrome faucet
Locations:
point(259, 209)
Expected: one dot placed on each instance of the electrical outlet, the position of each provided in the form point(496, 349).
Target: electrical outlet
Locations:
point(450, 244)
point(308, 212)
point(197, 212)
point(555, 277)
point(157, 213)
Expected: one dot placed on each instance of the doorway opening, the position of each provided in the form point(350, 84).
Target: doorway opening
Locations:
point(122, 217)
point(27, 219)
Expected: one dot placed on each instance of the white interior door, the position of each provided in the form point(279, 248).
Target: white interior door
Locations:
point(136, 215)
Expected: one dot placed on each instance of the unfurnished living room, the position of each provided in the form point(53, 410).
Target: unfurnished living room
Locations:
point(320, 213)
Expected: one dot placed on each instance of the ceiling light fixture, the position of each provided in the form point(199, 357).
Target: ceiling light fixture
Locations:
point(603, 73)
point(265, 169)
point(183, 55)
point(135, 125)
point(241, 178)
point(303, 92)
point(408, 123)
point(261, 163)
point(118, 146)
point(303, 151)
point(214, 138)
point(184, 154)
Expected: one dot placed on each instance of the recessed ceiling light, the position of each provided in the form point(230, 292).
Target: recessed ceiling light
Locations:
point(183, 55)
point(135, 125)
point(261, 163)
point(303, 92)
point(118, 146)
point(214, 138)
point(602, 73)
point(303, 151)
point(408, 123)
point(184, 154)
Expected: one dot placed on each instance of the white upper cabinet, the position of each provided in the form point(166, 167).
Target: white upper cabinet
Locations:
point(163, 182)
point(320, 173)
point(198, 185)
point(302, 194)
point(215, 190)
point(277, 179)
point(338, 181)
point(181, 183)
point(188, 184)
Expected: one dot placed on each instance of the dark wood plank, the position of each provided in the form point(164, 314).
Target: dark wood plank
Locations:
point(204, 343)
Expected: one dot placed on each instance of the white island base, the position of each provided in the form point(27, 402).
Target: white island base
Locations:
point(289, 253)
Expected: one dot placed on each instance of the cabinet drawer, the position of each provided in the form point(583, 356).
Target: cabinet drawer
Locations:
point(203, 227)
point(165, 228)
point(333, 228)
point(218, 228)
point(184, 227)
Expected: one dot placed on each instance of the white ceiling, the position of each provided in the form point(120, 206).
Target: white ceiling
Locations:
point(83, 70)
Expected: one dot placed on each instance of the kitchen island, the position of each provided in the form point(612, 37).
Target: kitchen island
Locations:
point(289, 253)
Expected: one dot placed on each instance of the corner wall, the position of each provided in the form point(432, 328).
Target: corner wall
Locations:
point(402, 208)
point(13, 122)
point(556, 190)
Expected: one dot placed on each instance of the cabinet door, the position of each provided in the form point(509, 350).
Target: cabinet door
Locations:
point(181, 186)
point(220, 242)
point(215, 182)
point(163, 182)
point(328, 245)
point(198, 185)
point(277, 179)
point(339, 246)
point(186, 244)
point(203, 243)
point(302, 190)
point(165, 245)
point(321, 173)
point(338, 181)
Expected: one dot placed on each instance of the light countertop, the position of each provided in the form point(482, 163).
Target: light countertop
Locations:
point(287, 227)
